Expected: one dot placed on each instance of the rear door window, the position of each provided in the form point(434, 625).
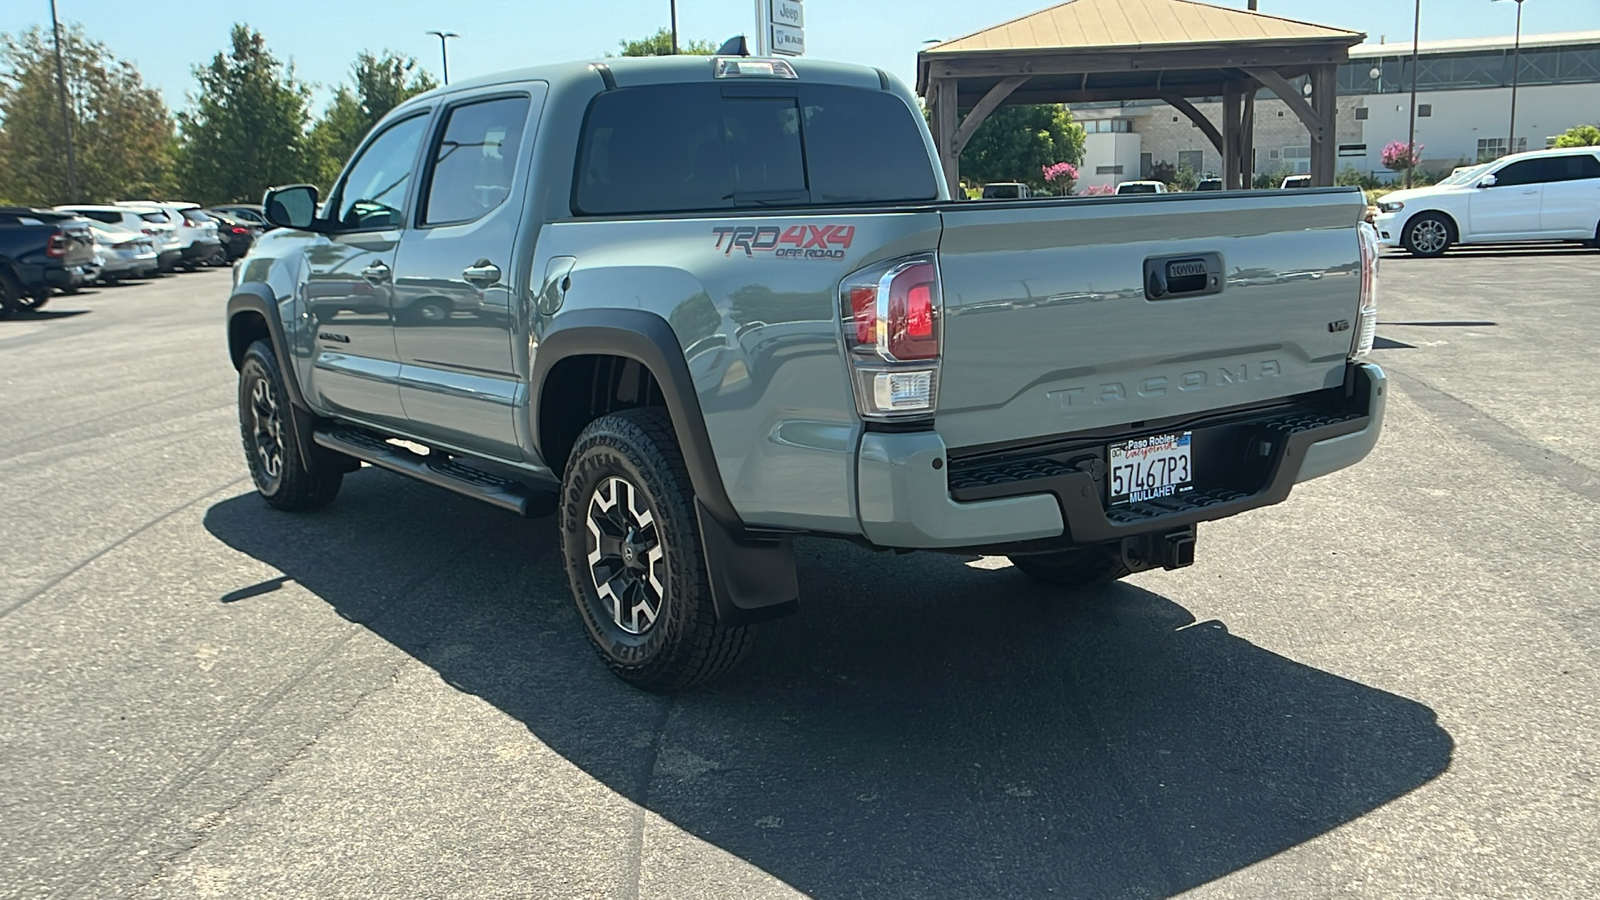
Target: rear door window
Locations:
point(160, 217)
point(474, 160)
point(708, 147)
point(1577, 167)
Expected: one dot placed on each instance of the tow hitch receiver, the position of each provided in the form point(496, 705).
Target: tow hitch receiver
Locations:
point(1172, 550)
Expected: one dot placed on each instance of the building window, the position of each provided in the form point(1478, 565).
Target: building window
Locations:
point(1424, 110)
point(1352, 149)
point(1147, 163)
point(1494, 148)
point(1280, 113)
point(1272, 154)
point(1108, 170)
point(1361, 112)
point(1108, 126)
point(1194, 159)
point(1298, 158)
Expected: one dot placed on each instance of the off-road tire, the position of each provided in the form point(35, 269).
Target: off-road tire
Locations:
point(1077, 568)
point(1428, 235)
point(683, 645)
point(266, 430)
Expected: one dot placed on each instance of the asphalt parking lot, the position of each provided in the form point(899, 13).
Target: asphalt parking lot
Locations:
point(1385, 687)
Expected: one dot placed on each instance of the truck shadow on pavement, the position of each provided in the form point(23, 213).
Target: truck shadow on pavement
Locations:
point(923, 728)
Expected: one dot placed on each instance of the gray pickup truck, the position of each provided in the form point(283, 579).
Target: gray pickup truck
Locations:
point(700, 306)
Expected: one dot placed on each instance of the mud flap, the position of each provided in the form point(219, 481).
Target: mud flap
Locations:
point(751, 580)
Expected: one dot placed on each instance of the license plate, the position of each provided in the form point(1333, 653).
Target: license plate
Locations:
point(1150, 467)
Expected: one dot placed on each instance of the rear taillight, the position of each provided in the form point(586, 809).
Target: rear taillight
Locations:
point(238, 230)
point(891, 317)
point(1367, 313)
point(56, 247)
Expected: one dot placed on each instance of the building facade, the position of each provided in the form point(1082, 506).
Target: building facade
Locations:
point(1463, 111)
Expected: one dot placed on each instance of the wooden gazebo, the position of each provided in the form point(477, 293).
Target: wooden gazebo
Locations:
point(1085, 51)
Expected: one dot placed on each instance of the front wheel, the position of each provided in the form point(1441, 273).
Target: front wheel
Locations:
point(1428, 235)
point(276, 466)
point(631, 542)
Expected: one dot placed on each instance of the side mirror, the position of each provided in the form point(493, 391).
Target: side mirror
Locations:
point(294, 206)
point(1487, 181)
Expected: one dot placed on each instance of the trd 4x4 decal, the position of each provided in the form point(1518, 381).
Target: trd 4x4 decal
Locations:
point(794, 242)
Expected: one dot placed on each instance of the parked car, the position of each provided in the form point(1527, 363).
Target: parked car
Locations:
point(152, 223)
point(1007, 190)
point(197, 234)
point(122, 253)
point(870, 360)
point(248, 213)
point(1295, 182)
point(237, 237)
point(1142, 187)
point(1209, 184)
point(1544, 195)
point(41, 250)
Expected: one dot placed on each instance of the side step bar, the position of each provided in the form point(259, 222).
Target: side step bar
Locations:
point(438, 470)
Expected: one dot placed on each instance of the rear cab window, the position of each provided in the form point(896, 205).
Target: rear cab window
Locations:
point(710, 147)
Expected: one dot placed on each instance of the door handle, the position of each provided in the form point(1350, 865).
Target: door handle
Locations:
point(377, 273)
point(481, 273)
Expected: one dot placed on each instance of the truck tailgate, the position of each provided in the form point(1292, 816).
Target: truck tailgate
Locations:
point(1049, 329)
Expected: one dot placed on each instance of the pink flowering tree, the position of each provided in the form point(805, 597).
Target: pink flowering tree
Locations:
point(1399, 156)
point(1061, 176)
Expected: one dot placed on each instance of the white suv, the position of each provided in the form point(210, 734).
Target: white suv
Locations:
point(1546, 195)
point(197, 232)
point(154, 224)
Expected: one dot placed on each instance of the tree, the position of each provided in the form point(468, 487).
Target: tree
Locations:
point(380, 84)
point(1016, 143)
point(660, 44)
point(122, 132)
point(1581, 136)
point(1398, 157)
point(247, 128)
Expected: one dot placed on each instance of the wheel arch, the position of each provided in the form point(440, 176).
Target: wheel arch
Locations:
point(1448, 217)
point(629, 335)
point(253, 315)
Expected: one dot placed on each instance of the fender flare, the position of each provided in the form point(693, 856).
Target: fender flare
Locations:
point(752, 576)
point(257, 298)
point(646, 338)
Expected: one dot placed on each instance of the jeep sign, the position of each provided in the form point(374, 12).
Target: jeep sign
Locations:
point(788, 27)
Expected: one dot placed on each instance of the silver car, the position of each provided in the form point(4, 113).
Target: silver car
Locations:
point(124, 254)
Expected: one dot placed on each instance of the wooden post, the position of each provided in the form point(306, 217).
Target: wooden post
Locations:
point(944, 110)
point(1247, 136)
point(1231, 99)
point(1324, 153)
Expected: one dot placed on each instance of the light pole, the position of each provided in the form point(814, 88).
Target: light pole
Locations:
point(444, 50)
point(1516, 71)
point(66, 116)
point(1411, 141)
point(674, 27)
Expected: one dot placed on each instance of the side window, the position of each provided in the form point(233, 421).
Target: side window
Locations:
point(1576, 167)
point(374, 191)
point(1527, 171)
point(654, 149)
point(474, 161)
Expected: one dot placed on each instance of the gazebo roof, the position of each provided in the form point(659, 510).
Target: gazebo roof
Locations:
point(1139, 24)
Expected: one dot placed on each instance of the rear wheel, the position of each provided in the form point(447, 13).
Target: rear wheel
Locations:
point(10, 295)
point(276, 466)
point(631, 542)
point(1429, 234)
point(1079, 567)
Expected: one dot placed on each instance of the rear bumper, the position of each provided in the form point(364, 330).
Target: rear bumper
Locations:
point(911, 494)
point(166, 259)
point(201, 250)
point(70, 277)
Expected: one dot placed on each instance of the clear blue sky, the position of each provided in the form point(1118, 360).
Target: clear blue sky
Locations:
point(166, 38)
